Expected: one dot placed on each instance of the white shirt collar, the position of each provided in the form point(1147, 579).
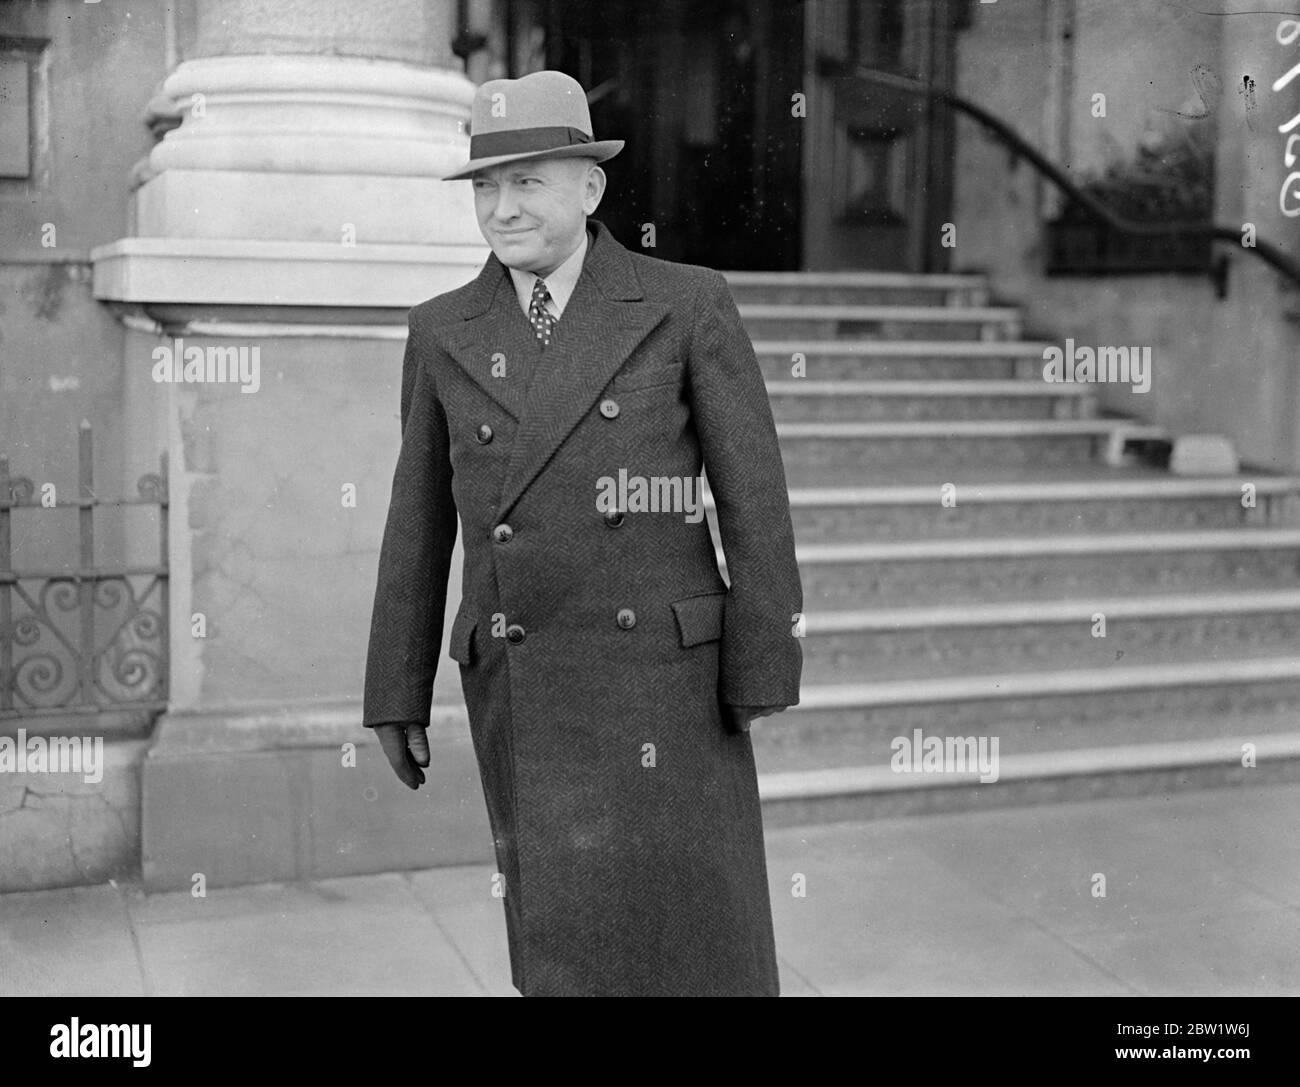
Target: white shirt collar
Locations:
point(560, 283)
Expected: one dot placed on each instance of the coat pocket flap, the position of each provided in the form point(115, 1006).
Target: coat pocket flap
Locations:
point(643, 378)
point(699, 618)
point(461, 643)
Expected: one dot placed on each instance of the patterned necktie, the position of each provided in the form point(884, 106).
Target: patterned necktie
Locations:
point(540, 317)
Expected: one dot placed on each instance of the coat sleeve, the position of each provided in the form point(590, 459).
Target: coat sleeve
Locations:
point(411, 592)
point(761, 659)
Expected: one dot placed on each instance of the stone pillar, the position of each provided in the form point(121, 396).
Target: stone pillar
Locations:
point(286, 226)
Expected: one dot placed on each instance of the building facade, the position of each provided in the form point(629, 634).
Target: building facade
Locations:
point(254, 185)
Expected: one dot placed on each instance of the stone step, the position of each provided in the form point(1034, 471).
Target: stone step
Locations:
point(864, 452)
point(858, 288)
point(829, 321)
point(902, 401)
point(913, 360)
point(1043, 709)
point(1041, 507)
point(851, 791)
point(970, 639)
point(795, 741)
point(970, 610)
point(944, 571)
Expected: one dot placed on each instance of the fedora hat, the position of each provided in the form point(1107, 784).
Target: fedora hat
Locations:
point(542, 115)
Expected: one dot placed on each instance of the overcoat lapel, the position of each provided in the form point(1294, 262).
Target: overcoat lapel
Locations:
point(605, 320)
point(494, 329)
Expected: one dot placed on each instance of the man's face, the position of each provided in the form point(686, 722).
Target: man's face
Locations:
point(533, 213)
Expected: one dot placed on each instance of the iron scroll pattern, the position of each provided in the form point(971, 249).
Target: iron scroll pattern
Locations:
point(84, 640)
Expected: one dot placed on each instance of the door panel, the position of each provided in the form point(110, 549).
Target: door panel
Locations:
point(881, 156)
point(701, 91)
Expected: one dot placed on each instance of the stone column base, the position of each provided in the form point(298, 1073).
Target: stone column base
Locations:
point(59, 830)
point(268, 795)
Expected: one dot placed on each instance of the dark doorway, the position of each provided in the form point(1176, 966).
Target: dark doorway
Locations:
point(751, 142)
point(702, 91)
point(881, 159)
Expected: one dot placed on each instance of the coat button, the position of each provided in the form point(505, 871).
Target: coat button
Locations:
point(484, 434)
point(613, 518)
point(626, 618)
point(609, 408)
point(503, 534)
point(514, 634)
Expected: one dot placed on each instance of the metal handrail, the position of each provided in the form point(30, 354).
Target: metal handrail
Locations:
point(1265, 250)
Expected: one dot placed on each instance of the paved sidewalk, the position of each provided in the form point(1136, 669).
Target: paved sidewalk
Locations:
point(1202, 896)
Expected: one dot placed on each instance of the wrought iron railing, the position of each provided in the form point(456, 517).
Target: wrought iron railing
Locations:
point(1176, 232)
point(88, 638)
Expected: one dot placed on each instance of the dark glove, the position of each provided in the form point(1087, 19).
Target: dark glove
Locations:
point(407, 749)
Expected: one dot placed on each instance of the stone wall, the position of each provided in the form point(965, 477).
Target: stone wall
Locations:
point(1222, 365)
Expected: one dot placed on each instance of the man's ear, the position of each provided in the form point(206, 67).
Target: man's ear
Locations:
point(593, 188)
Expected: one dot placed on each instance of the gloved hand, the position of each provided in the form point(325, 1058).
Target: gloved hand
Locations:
point(738, 717)
point(407, 747)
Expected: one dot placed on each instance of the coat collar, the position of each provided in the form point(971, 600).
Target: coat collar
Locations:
point(607, 262)
point(605, 320)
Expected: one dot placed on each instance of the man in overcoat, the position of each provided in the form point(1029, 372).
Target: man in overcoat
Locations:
point(609, 671)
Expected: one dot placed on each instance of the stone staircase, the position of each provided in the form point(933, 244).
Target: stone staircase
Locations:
point(978, 616)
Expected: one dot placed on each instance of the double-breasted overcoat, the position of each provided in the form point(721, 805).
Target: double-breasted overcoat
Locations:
point(595, 646)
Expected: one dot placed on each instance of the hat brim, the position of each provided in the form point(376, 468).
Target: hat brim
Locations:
point(600, 150)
